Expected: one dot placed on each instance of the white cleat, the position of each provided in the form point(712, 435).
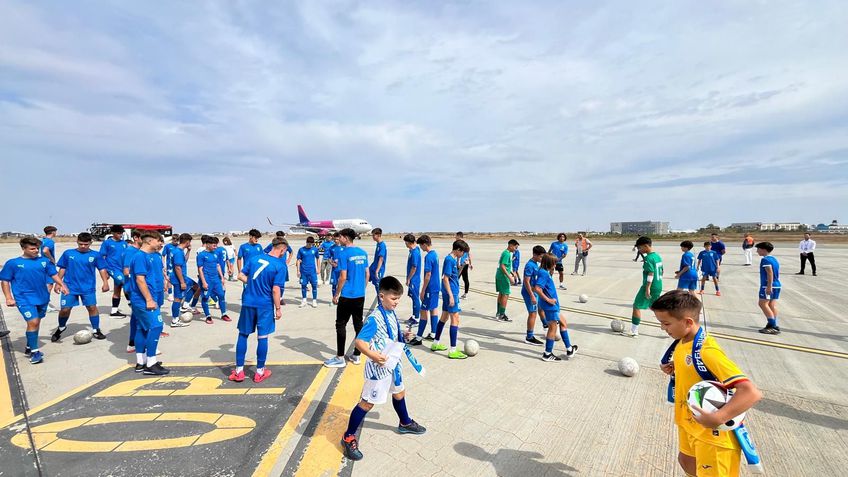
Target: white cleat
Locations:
point(314, 303)
point(302, 304)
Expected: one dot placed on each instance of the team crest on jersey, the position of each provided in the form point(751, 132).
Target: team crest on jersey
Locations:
point(90, 259)
point(43, 264)
point(688, 360)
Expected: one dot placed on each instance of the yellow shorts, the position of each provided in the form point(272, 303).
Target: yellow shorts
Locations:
point(710, 460)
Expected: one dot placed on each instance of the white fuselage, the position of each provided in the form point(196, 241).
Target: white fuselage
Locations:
point(360, 226)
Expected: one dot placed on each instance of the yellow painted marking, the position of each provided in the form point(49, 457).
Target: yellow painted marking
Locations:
point(115, 418)
point(153, 444)
point(230, 363)
point(197, 386)
point(324, 453)
point(207, 417)
point(742, 339)
point(276, 448)
point(6, 410)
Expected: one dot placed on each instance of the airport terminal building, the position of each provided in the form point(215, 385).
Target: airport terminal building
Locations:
point(646, 227)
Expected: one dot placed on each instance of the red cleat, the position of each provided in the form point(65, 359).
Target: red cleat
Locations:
point(258, 378)
point(226, 318)
point(237, 377)
point(718, 293)
point(208, 320)
point(164, 334)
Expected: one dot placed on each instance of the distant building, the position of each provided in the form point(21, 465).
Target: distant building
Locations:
point(781, 226)
point(746, 226)
point(13, 234)
point(634, 228)
point(835, 228)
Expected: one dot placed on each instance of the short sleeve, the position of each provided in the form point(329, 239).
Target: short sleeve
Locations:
point(63, 260)
point(51, 268)
point(280, 277)
point(8, 272)
point(369, 329)
point(725, 370)
point(100, 262)
point(342, 261)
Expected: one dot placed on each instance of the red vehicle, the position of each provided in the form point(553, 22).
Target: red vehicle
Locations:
point(101, 231)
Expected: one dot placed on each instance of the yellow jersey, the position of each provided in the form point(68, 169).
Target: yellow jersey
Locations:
point(685, 376)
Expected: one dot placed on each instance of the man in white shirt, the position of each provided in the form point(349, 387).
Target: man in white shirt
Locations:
point(807, 247)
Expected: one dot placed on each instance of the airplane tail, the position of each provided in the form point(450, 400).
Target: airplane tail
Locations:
point(302, 215)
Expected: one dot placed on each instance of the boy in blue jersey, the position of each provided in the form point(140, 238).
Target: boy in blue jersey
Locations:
point(719, 248)
point(528, 293)
point(48, 251)
point(184, 286)
point(126, 260)
point(560, 250)
point(166, 262)
point(211, 281)
point(335, 250)
point(381, 328)
point(112, 250)
point(516, 263)
point(549, 301)
point(148, 295)
point(78, 268)
point(413, 277)
point(378, 266)
point(450, 301)
point(23, 282)
point(307, 271)
point(430, 289)
point(249, 248)
point(687, 274)
point(708, 263)
point(326, 260)
point(769, 287)
point(263, 276)
point(349, 296)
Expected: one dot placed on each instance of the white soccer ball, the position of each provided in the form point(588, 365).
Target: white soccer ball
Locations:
point(472, 347)
point(712, 396)
point(617, 326)
point(187, 317)
point(628, 367)
point(83, 337)
point(583, 298)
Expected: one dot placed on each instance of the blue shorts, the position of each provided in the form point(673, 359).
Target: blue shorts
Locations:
point(334, 277)
point(528, 303)
point(117, 277)
point(551, 315)
point(515, 269)
point(147, 319)
point(775, 293)
point(31, 312)
point(430, 301)
point(309, 278)
point(215, 290)
point(708, 274)
point(187, 293)
point(232, 261)
point(446, 303)
point(72, 300)
point(257, 319)
point(687, 283)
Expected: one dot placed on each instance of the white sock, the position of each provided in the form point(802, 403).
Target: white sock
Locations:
point(34, 350)
point(634, 328)
point(62, 328)
point(260, 370)
point(452, 349)
point(139, 358)
point(151, 360)
point(114, 309)
point(239, 369)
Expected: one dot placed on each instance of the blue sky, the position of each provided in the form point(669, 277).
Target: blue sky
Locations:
point(423, 115)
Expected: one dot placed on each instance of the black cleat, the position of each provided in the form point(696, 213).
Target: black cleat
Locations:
point(412, 428)
point(550, 357)
point(139, 368)
point(533, 341)
point(429, 337)
point(56, 336)
point(351, 448)
point(416, 342)
point(156, 370)
point(98, 335)
point(4, 333)
point(572, 351)
point(27, 351)
point(118, 314)
point(504, 318)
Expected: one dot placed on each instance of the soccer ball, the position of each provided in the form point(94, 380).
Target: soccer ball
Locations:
point(628, 367)
point(583, 298)
point(712, 396)
point(187, 317)
point(617, 326)
point(472, 347)
point(82, 337)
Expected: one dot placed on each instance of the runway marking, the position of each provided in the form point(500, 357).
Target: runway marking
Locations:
point(6, 409)
point(197, 386)
point(742, 339)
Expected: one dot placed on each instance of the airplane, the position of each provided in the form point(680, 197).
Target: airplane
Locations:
point(324, 227)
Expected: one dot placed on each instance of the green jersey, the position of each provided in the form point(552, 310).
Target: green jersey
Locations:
point(505, 261)
point(653, 264)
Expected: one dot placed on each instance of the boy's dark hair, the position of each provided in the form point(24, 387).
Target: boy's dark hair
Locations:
point(175, 238)
point(767, 246)
point(424, 239)
point(409, 238)
point(708, 244)
point(135, 233)
point(49, 230)
point(255, 233)
point(116, 229)
point(539, 250)
point(150, 234)
point(185, 238)
point(643, 241)
point(679, 304)
point(391, 284)
point(461, 246)
point(278, 241)
point(687, 244)
point(85, 237)
point(349, 233)
point(713, 234)
point(377, 231)
point(513, 242)
point(336, 234)
point(30, 242)
point(460, 235)
point(310, 239)
point(213, 239)
point(279, 233)
point(227, 241)
point(564, 237)
point(548, 261)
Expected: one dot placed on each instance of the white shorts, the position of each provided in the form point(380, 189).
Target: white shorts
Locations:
point(376, 391)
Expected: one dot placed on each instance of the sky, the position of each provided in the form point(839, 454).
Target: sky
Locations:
point(422, 116)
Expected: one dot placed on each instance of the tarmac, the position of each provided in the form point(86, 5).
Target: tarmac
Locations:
point(503, 412)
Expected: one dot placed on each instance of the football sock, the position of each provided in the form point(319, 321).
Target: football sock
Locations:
point(303, 292)
point(530, 334)
point(454, 332)
point(175, 309)
point(194, 300)
point(222, 304)
point(95, 321)
point(434, 322)
point(634, 329)
point(261, 352)
point(635, 320)
point(32, 340)
point(439, 328)
point(772, 322)
point(115, 303)
point(422, 327)
point(205, 305)
point(549, 346)
point(400, 409)
point(241, 349)
point(565, 339)
point(133, 327)
point(500, 310)
point(356, 418)
point(63, 322)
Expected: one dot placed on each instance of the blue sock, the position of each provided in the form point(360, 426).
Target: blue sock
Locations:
point(205, 305)
point(175, 309)
point(454, 331)
point(717, 287)
point(315, 290)
point(416, 305)
point(549, 346)
point(530, 334)
point(439, 328)
point(772, 321)
point(194, 300)
point(356, 418)
point(32, 340)
point(565, 338)
point(241, 349)
point(303, 291)
point(434, 322)
point(261, 352)
point(400, 409)
point(152, 341)
point(222, 304)
point(140, 339)
point(133, 328)
point(95, 321)
point(63, 322)
point(422, 327)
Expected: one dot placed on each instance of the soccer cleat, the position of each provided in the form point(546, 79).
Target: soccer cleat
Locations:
point(226, 318)
point(335, 362)
point(258, 378)
point(139, 368)
point(36, 357)
point(314, 303)
point(438, 347)
point(163, 334)
point(178, 324)
point(457, 355)
point(571, 352)
point(464, 296)
point(411, 428)
point(27, 351)
point(429, 337)
point(130, 349)
point(504, 318)
point(156, 370)
point(562, 285)
point(770, 330)
point(302, 304)
point(630, 334)
point(533, 341)
point(416, 342)
point(718, 293)
point(118, 314)
point(412, 321)
point(56, 336)
point(550, 357)
point(351, 448)
point(208, 320)
point(353, 358)
point(51, 308)
point(98, 334)
point(237, 377)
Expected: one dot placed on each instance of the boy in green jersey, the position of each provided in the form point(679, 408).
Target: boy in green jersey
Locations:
point(651, 289)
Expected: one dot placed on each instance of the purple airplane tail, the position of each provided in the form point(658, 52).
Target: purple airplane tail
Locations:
point(304, 220)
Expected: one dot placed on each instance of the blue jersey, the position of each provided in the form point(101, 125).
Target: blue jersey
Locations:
point(379, 251)
point(248, 250)
point(431, 265)
point(81, 270)
point(50, 245)
point(546, 283)
point(450, 269)
point(463, 259)
point(531, 268)
point(113, 252)
point(209, 262)
point(221, 255)
point(516, 259)
point(718, 248)
point(263, 272)
point(335, 253)
point(354, 261)
point(414, 260)
point(148, 265)
point(709, 261)
point(126, 262)
point(688, 260)
point(325, 248)
point(559, 250)
point(178, 259)
point(307, 257)
point(28, 277)
point(769, 262)
point(167, 252)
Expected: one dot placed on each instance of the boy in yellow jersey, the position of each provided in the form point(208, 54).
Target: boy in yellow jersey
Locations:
point(704, 451)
